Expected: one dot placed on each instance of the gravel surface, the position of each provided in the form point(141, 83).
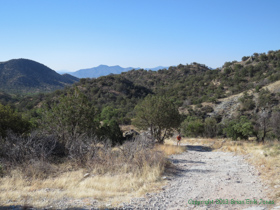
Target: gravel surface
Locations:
point(203, 175)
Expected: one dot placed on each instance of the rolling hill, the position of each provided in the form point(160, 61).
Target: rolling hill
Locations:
point(27, 76)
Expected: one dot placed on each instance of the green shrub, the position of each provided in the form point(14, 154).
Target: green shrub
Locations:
point(192, 127)
point(239, 128)
point(210, 127)
point(11, 120)
point(72, 118)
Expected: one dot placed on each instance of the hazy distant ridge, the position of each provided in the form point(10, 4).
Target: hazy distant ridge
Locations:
point(103, 70)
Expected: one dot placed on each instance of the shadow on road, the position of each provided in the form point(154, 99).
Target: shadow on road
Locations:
point(15, 208)
point(185, 161)
point(180, 172)
point(199, 148)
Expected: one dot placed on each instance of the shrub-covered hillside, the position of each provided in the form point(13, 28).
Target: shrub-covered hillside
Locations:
point(189, 84)
point(197, 83)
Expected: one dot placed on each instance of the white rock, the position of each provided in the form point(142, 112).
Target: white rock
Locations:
point(86, 175)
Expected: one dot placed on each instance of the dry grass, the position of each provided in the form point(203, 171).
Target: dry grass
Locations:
point(17, 190)
point(113, 180)
point(128, 128)
point(170, 149)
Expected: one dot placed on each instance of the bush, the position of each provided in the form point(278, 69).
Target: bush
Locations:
point(265, 98)
point(210, 127)
point(192, 127)
point(207, 109)
point(11, 120)
point(72, 118)
point(112, 131)
point(1, 171)
point(136, 157)
point(244, 58)
point(239, 128)
point(18, 149)
point(247, 102)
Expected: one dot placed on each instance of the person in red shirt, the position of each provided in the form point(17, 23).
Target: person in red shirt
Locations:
point(178, 139)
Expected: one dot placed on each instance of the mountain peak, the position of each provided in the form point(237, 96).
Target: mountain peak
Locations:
point(24, 75)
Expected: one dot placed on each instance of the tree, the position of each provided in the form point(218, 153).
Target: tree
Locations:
point(262, 124)
point(239, 128)
point(71, 118)
point(210, 127)
point(11, 120)
point(110, 128)
point(159, 115)
point(108, 114)
point(192, 127)
point(112, 131)
point(275, 123)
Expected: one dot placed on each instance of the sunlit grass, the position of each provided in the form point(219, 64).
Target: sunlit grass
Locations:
point(68, 181)
point(170, 149)
point(17, 189)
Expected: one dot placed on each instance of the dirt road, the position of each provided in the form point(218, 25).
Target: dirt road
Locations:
point(208, 180)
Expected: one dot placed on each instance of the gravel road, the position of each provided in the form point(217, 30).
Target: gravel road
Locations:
point(204, 175)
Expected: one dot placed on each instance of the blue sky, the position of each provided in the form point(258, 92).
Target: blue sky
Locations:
point(76, 34)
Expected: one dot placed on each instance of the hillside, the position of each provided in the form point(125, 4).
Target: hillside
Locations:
point(186, 85)
point(27, 76)
point(6, 98)
point(70, 77)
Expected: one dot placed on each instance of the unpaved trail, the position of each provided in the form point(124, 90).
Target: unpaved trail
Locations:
point(203, 175)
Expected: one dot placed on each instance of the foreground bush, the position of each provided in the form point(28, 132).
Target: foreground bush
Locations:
point(73, 117)
point(74, 121)
point(39, 156)
point(17, 149)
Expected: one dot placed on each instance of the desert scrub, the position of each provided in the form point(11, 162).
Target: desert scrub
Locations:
point(108, 174)
point(132, 157)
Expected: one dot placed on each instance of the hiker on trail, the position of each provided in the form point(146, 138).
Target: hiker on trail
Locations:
point(178, 139)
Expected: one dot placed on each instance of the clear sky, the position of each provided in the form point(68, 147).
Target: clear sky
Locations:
point(76, 34)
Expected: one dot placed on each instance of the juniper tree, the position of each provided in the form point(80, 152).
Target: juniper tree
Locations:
point(159, 115)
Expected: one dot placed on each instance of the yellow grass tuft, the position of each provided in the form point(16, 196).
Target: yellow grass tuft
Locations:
point(168, 149)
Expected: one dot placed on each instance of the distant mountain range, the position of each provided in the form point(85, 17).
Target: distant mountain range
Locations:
point(27, 76)
point(103, 70)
